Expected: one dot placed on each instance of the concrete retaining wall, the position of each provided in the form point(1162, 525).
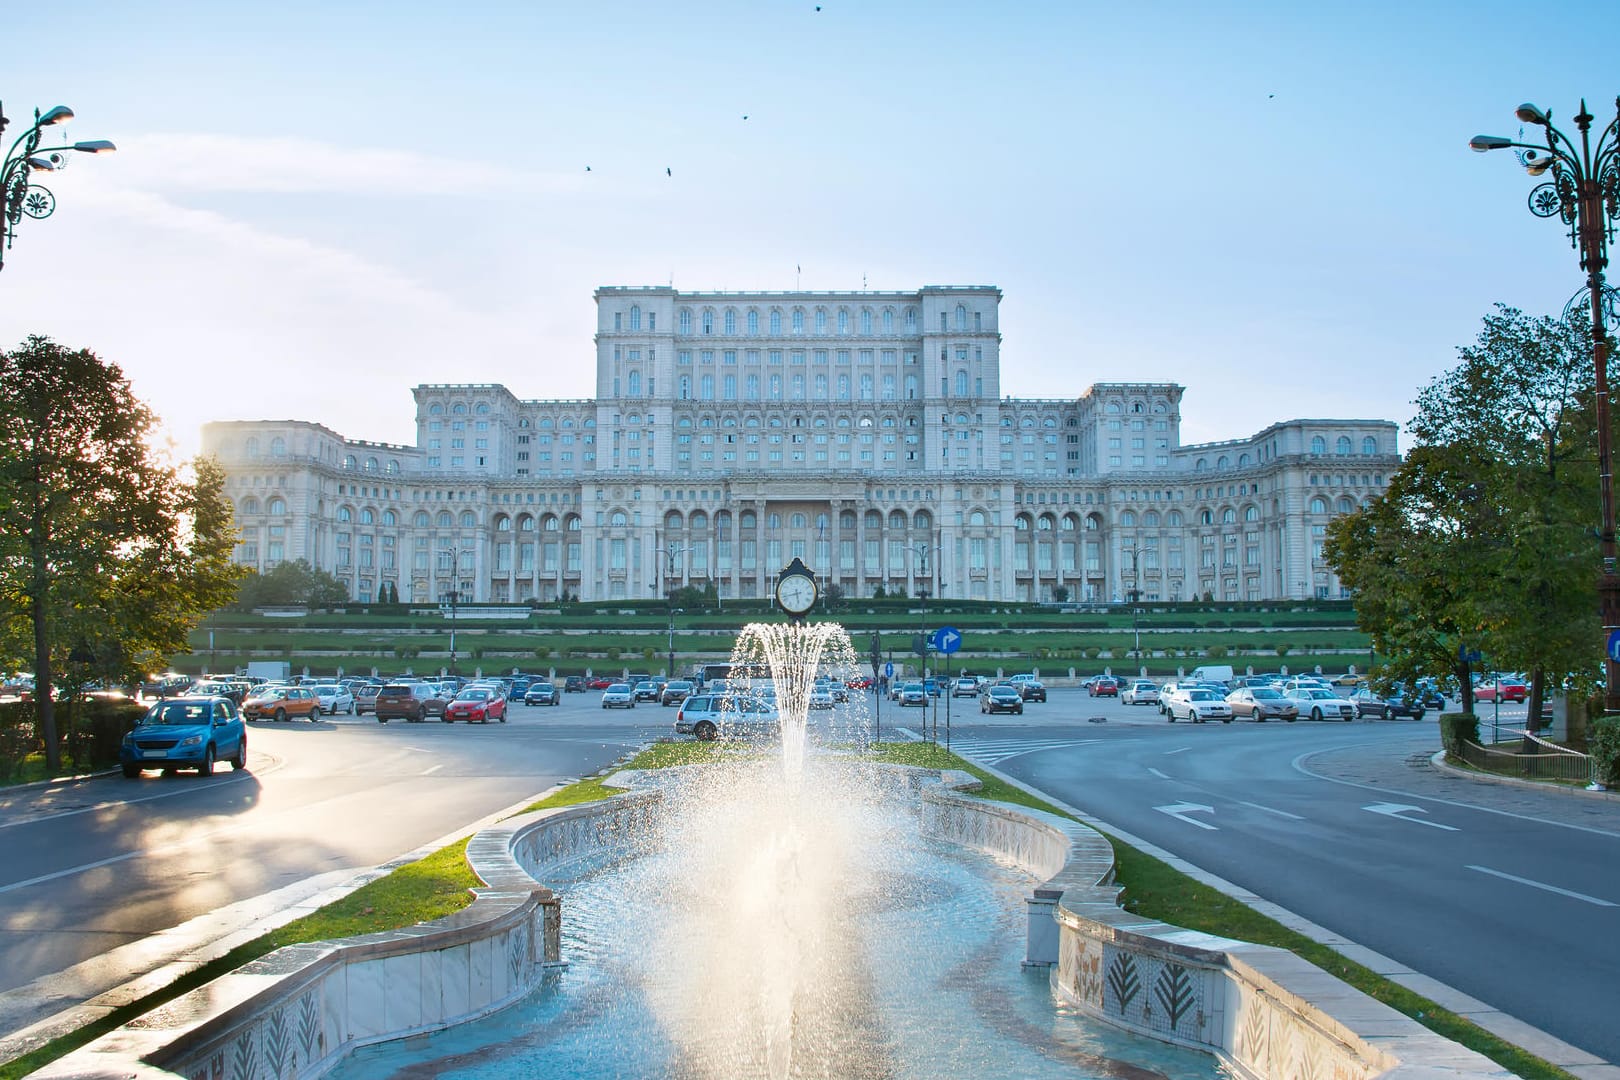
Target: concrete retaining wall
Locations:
point(1265, 1012)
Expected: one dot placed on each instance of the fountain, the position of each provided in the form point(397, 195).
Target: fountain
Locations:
point(784, 919)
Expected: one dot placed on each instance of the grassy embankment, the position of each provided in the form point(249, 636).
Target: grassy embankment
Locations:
point(438, 884)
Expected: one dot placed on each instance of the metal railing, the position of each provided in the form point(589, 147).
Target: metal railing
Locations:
point(1550, 762)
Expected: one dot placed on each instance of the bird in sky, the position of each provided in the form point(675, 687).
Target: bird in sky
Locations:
point(667, 172)
point(587, 168)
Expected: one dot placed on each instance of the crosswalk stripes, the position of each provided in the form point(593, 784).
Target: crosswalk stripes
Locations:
point(995, 751)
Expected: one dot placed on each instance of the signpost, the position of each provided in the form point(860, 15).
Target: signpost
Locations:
point(946, 640)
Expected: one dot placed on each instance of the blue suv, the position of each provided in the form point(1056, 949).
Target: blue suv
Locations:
point(186, 733)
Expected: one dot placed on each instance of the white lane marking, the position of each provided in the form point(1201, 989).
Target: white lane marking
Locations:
point(417, 749)
point(433, 770)
point(1269, 810)
point(1179, 811)
point(1542, 885)
point(1157, 773)
point(1397, 810)
point(1177, 750)
point(1298, 765)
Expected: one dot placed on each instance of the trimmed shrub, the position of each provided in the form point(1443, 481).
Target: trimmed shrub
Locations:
point(1603, 743)
point(1457, 728)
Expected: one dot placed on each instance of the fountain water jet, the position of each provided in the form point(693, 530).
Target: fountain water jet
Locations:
point(790, 657)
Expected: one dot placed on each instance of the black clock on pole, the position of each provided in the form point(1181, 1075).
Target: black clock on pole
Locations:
point(796, 589)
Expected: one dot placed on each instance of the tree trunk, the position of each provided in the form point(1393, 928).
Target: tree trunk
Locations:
point(1532, 720)
point(43, 677)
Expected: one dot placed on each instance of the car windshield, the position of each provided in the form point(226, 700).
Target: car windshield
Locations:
point(618, 688)
point(473, 695)
point(180, 712)
point(543, 687)
point(1265, 693)
point(1319, 694)
point(1003, 691)
point(1200, 695)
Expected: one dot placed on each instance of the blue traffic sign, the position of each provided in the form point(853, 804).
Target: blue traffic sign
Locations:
point(947, 639)
point(1614, 646)
point(888, 671)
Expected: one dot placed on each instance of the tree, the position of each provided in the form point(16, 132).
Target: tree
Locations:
point(107, 549)
point(1480, 540)
point(1060, 593)
point(291, 584)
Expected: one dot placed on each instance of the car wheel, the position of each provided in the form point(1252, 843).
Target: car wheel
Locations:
point(1019, 710)
point(239, 760)
point(1418, 715)
point(1291, 719)
point(280, 715)
point(131, 772)
point(1316, 714)
point(207, 766)
point(984, 708)
point(1226, 719)
point(706, 731)
point(1171, 713)
point(604, 705)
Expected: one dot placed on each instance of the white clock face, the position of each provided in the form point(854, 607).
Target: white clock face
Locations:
point(796, 594)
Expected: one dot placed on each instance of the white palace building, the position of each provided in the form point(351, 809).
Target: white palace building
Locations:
point(867, 433)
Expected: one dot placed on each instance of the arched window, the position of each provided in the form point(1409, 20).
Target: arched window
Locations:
point(573, 523)
point(776, 324)
point(1228, 516)
point(685, 320)
point(1346, 505)
point(1045, 523)
point(961, 384)
point(897, 520)
point(798, 521)
point(1021, 523)
point(747, 520)
point(618, 519)
point(345, 515)
point(730, 322)
point(846, 520)
point(390, 518)
point(1206, 517)
point(1251, 513)
point(961, 317)
point(444, 520)
point(633, 384)
point(1127, 519)
point(1093, 523)
point(1342, 447)
point(349, 462)
point(700, 521)
point(503, 524)
point(922, 520)
point(367, 517)
point(468, 521)
point(1318, 505)
point(753, 322)
point(1318, 445)
point(276, 507)
point(250, 505)
point(278, 447)
point(253, 446)
point(672, 521)
point(635, 316)
point(773, 521)
point(421, 519)
point(1369, 446)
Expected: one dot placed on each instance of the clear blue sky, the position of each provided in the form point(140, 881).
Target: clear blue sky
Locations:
point(317, 205)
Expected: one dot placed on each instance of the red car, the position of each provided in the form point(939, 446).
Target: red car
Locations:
point(1104, 686)
point(480, 703)
point(1512, 690)
point(598, 682)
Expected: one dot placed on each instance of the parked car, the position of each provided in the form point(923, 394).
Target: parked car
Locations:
point(164, 686)
point(912, 693)
point(932, 687)
point(1508, 689)
point(1032, 690)
point(1102, 686)
point(598, 682)
point(966, 686)
point(220, 688)
point(542, 693)
point(1140, 692)
point(333, 698)
point(480, 703)
point(1198, 704)
point(281, 703)
point(1347, 679)
point(1001, 698)
point(189, 732)
point(1318, 704)
point(573, 684)
point(618, 696)
point(646, 690)
point(711, 716)
point(1385, 706)
point(675, 692)
point(413, 701)
point(836, 689)
point(1262, 703)
point(821, 698)
point(365, 698)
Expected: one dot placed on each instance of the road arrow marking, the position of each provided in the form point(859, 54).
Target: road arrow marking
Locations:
point(1179, 811)
point(1157, 773)
point(1397, 810)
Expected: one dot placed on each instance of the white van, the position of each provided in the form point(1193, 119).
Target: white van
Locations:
point(1221, 673)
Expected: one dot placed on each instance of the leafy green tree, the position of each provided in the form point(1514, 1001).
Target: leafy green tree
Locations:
point(1481, 539)
point(109, 553)
point(290, 584)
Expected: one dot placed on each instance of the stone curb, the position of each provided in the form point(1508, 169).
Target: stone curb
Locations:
point(1438, 760)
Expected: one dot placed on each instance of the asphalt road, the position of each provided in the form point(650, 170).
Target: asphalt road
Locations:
point(1508, 895)
point(94, 864)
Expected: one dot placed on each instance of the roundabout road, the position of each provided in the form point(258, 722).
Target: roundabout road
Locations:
point(98, 863)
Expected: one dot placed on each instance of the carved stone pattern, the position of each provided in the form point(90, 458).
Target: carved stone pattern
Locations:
point(1123, 984)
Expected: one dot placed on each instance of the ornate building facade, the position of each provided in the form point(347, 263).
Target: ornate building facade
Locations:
point(865, 432)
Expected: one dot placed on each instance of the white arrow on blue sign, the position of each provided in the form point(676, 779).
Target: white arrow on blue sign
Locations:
point(1614, 646)
point(888, 670)
point(947, 639)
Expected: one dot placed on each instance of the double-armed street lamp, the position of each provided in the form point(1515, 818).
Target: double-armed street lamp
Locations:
point(1582, 190)
point(18, 197)
point(454, 595)
point(674, 550)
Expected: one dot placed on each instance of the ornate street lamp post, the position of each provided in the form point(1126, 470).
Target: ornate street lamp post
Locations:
point(17, 196)
point(1583, 191)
